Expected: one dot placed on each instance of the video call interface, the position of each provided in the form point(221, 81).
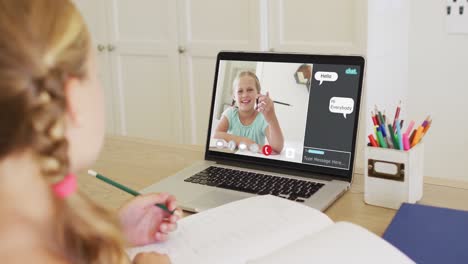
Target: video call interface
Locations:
point(293, 112)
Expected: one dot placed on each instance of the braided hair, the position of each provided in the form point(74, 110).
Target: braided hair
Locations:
point(42, 44)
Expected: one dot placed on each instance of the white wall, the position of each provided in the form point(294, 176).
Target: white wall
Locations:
point(412, 58)
point(278, 79)
point(228, 71)
point(218, 107)
point(387, 57)
point(438, 85)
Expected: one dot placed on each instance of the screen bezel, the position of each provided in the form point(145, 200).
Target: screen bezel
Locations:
point(273, 164)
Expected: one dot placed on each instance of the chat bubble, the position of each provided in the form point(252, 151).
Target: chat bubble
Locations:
point(326, 76)
point(341, 105)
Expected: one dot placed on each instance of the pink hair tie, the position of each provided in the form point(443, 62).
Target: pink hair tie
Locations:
point(65, 187)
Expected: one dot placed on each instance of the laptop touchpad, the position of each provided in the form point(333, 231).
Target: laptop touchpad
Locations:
point(214, 199)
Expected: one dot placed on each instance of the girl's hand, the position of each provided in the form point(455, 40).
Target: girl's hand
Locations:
point(144, 223)
point(266, 107)
point(151, 258)
point(247, 141)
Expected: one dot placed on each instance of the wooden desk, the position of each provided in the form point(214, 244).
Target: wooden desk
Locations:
point(139, 163)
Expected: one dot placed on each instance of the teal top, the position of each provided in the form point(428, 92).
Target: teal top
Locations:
point(254, 131)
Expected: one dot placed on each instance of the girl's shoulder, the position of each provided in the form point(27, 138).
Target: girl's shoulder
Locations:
point(17, 236)
point(230, 112)
point(18, 256)
point(12, 227)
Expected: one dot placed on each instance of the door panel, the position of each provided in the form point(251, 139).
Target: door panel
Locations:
point(203, 77)
point(221, 25)
point(142, 20)
point(94, 13)
point(145, 66)
point(148, 101)
point(207, 27)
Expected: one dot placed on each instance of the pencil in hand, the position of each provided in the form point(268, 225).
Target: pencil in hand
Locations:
point(124, 188)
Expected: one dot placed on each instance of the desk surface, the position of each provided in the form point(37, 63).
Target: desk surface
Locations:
point(139, 162)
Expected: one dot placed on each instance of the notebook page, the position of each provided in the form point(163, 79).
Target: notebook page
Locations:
point(339, 243)
point(239, 231)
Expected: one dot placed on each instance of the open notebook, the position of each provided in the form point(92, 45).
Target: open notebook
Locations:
point(268, 229)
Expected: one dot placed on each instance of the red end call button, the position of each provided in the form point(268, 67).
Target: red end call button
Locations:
point(267, 150)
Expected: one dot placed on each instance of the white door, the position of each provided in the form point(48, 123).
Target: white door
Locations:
point(321, 27)
point(206, 27)
point(145, 68)
point(95, 15)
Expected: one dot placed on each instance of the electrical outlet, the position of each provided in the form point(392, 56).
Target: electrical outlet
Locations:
point(456, 12)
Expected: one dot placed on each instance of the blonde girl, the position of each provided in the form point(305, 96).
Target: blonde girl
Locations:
point(253, 118)
point(51, 127)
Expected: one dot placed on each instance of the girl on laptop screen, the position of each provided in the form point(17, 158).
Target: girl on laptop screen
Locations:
point(252, 118)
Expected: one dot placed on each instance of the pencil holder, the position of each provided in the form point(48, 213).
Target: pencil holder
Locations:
point(393, 176)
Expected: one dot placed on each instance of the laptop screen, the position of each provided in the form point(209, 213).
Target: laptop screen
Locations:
point(286, 110)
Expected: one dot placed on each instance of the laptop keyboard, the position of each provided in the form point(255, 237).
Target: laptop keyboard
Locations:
point(256, 183)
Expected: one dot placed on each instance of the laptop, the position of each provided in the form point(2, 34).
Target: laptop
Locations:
point(316, 101)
